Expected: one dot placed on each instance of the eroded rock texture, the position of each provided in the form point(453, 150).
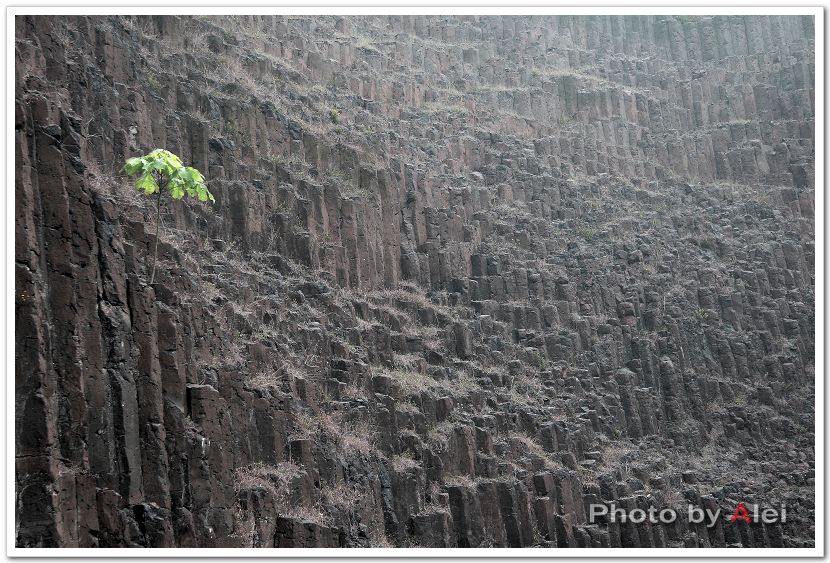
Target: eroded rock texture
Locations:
point(465, 276)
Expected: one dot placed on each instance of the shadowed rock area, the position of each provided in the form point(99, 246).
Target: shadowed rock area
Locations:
point(465, 277)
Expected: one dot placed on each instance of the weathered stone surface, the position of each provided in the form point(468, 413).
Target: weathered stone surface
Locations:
point(464, 277)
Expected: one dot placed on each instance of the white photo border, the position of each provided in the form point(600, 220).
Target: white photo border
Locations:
point(459, 7)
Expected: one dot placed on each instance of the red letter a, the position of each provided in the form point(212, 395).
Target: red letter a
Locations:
point(741, 513)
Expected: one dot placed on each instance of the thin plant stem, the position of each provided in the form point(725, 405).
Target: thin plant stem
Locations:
point(158, 223)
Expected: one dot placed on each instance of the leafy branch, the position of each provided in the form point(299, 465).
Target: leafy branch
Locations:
point(162, 170)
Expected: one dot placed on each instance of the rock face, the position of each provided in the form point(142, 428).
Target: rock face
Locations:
point(465, 277)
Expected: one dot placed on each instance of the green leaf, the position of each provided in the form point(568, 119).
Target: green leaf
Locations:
point(193, 175)
point(167, 157)
point(161, 166)
point(133, 166)
point(148, 184)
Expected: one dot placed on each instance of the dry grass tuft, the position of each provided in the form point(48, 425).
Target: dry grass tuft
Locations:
point(274, 479)
point(465, 481)
point(438, 436)
point(350, 436)
point(403, 463)
point(267, 378)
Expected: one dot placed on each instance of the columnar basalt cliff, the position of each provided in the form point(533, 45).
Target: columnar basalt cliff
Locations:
point(464, 278)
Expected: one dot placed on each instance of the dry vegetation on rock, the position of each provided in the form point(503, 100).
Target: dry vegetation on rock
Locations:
point(531, 264)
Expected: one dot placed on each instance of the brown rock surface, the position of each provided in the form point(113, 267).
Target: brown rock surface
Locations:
point(464, 276)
